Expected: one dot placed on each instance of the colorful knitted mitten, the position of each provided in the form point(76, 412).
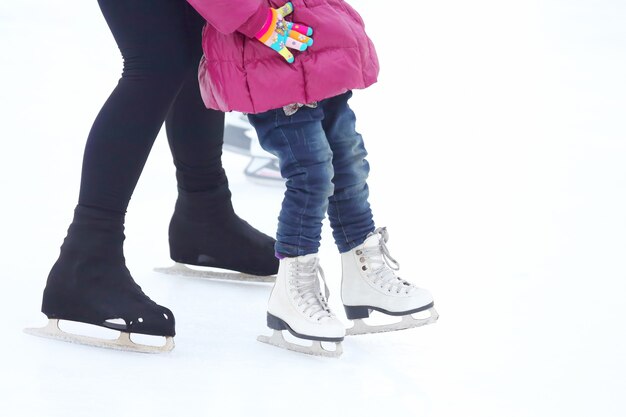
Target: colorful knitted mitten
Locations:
point(280, 34)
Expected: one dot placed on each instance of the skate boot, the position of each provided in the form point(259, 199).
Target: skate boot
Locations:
point(369, 283)
point(90, 283)
point(298, 305)
point(205, 231)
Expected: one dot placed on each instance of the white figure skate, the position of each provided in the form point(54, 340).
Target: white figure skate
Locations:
point(369, 283)
point(298, 305)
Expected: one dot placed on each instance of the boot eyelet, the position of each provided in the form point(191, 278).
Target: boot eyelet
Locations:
point(359, 252)
point(364, 268)
point(362, 259)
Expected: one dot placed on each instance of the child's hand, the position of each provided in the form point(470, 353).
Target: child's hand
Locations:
point(279, 34)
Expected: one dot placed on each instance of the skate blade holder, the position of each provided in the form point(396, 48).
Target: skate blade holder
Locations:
point(212, 273)
point(317, 348)
point(123, 342)
point(407, 321)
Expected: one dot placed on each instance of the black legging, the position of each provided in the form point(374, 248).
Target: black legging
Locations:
point(160, 41)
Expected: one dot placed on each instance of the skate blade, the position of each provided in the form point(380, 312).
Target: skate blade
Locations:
point(185, 271)
point(316, 349)
point(123, 342)
point(407, 322)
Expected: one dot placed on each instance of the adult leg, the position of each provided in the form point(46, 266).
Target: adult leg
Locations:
point(153, 41)
point(195, 133)
point(90, 282)
point(204, 229)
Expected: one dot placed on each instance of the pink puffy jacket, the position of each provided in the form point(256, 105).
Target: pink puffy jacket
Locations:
point(239, 73)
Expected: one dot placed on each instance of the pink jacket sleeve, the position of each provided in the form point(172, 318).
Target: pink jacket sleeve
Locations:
point(227, 16)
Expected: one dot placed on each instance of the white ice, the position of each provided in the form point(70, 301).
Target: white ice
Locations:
point(497, 142)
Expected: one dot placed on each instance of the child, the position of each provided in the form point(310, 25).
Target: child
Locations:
point(300, 111)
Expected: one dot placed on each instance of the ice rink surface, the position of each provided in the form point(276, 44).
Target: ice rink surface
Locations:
point(497, 143)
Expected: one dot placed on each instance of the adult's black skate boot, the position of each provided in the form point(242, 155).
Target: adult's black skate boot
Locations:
point(205, 231)
point(90, 283)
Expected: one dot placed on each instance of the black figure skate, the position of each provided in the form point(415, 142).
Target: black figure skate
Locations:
point(90, 283)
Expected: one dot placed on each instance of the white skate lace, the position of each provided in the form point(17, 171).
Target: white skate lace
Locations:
point(305, 284)
point(382, 266)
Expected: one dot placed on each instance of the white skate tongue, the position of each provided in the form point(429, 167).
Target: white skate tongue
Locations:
point(378, 238)
point(383, 264)
point(372, 240)
point(309, 288)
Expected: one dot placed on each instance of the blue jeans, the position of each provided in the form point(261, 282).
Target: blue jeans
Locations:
point(322, 157)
